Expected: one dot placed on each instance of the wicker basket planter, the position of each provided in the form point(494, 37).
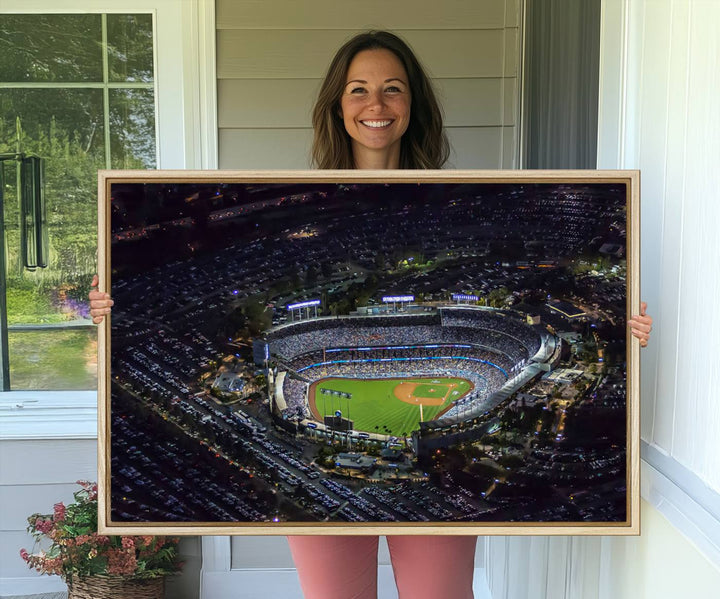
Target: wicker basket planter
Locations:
point(116, 587)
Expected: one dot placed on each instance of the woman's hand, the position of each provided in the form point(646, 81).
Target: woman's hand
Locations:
point(100, 303)
point(641, 325)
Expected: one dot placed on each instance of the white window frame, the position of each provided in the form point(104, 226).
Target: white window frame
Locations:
point(186, 130)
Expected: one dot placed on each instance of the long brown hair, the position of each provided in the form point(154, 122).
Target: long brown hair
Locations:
point(424, 144)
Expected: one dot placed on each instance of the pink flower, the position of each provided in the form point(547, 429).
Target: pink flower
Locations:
point(53, 565)
point(128, 543)
point(72, 554)
point(121, 562)
point(59, 512)
point(93, 492)
point(43, 526)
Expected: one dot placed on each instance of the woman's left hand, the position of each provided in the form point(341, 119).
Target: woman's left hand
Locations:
point(641, 325)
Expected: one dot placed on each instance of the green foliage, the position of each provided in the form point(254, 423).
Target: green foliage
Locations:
point(27, 303)
point(258, 318)
point(77, 550)
point(496, 298)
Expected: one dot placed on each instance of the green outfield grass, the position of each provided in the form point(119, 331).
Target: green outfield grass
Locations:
point(374, 407)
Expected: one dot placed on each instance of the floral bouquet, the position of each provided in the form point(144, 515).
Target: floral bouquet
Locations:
point(76, 550)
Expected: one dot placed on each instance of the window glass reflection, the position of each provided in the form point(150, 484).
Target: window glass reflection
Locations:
point(130, 47)
point(38, 48)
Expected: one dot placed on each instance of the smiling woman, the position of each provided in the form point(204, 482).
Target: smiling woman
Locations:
point(375, 107)
point(363, 116)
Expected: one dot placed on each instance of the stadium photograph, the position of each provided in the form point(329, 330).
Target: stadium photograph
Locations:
point(405, 353)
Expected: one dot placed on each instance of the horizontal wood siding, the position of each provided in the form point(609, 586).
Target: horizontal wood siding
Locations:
point(264, 148)
point(306, 54)
point(271, 58)
point(262, 103)
point(35, 475)
point(338, 14)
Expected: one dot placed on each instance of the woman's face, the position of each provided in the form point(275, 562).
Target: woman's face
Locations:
point(375, 106)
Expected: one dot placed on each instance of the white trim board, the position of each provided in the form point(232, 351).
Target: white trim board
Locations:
point(32, 586)
point(693, 508)
point(48, 415)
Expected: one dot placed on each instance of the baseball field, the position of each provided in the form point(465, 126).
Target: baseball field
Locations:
point(389, 406)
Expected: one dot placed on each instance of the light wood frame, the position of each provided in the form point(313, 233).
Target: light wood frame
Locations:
point(631, 179)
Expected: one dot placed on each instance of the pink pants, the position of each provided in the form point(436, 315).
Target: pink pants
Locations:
point(345, 567)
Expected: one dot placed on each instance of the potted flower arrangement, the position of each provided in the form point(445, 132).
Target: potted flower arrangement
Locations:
point(94, 565)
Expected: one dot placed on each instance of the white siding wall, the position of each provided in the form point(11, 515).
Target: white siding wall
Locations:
point(34, 475)
point(271, 57)
point(659, 564)
point(660, 81)
point(672, 133)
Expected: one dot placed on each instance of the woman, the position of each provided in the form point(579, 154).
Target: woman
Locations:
point(377, 110)
point(376, 75)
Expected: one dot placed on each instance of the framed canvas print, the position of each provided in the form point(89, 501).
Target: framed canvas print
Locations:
point(369, 352)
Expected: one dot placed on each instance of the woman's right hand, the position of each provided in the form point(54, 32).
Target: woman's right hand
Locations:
point(100, 303)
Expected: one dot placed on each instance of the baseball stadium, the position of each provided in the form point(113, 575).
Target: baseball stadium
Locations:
point(378, 377)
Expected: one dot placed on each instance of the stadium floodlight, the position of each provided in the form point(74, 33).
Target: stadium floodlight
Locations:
point(300, 305)
point(389, 299)
point(461, 297)
point(303, 305)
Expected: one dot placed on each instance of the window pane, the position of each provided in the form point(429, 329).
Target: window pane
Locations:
point(130, 47)
point(52, 119)
point(132, 128)
point(65, 127)
point(50, 48)
point(52, 345)
point(54, 359)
